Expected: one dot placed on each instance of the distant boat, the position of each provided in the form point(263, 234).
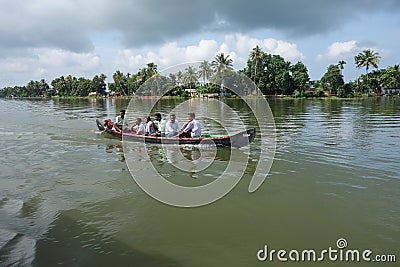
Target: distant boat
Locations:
point(238, 140)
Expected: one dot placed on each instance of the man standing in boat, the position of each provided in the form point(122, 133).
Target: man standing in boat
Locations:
point(192, 129)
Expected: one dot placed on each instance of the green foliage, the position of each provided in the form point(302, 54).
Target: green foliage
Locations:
point(390, 77)
point(256, 57)
point(221, 63)
point(156, 86)
point(345, 91)
point(341, 64)
point(71, 86)
point(213, 88)
point(300, 76)
point(98, 84)
point(128, 84)
point(272, 74)
point(297, 94)
point(332, 79)
point(175, 82)
point(185, 94)
point(62, 86)
point(319, 93)
point(205, 71)
point(383, 78)
point(366, 59)
point(190, 77)
point(203, 89)
point(32, 89)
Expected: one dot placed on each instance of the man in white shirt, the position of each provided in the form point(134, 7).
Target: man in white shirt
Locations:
point(192, 129)
point(120, 118)
point(172, 126)
point(138, 128)
point(160, 124)
point(120, 121)
point(150, 127)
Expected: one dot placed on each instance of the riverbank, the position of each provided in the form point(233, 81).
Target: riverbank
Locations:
point(284, 97)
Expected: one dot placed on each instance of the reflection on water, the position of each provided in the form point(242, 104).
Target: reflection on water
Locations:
point(67, 197)
point(174, 153)
point(116, 148)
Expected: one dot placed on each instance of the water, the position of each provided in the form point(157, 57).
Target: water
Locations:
point(67, 197)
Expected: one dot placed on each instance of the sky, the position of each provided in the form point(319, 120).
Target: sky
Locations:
point(45, 39)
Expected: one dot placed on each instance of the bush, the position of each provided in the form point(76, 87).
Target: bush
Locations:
point(345, 91)
point(185, 94)
point(203, 89)
point(319, 93)
point(358, 94)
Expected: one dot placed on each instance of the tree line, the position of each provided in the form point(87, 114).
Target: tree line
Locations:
point(271, 73)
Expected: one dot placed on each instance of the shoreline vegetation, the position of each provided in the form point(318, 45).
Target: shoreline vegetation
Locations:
point(274, 76)
point(268, 97)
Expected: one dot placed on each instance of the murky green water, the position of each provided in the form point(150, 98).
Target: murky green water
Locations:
point(67, 197)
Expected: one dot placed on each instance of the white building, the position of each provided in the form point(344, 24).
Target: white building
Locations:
point(390, 90)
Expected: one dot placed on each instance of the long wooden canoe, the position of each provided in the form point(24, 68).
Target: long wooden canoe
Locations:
point(238, 140)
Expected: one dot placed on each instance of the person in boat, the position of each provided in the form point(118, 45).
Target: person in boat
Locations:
point(160, 124)
point(172, 126)
point(192, 129)
point(150, 127)
point(138, 128)
point(120, 120)
point(108, 124)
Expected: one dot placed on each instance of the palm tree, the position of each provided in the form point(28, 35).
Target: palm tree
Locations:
point(221, 63)
point(68, 81)
point(44, 87)
point(190, 76)
point(366, 59)
point(151, 70)
point(341, 64)
point(118, 78)
point(256, 54)
point(205, 70)
point(179, 77)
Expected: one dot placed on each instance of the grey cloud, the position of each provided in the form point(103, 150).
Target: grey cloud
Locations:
point(157, 21)
point(24, 24)
point(150, 22)
point(70, 26)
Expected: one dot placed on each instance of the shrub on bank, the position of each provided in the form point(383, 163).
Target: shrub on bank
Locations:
point(319, 93)
point(185, 94)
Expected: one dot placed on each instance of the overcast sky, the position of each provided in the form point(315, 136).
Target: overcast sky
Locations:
point(47, 38)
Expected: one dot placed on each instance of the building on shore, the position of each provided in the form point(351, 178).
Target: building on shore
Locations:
point(390, 90)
